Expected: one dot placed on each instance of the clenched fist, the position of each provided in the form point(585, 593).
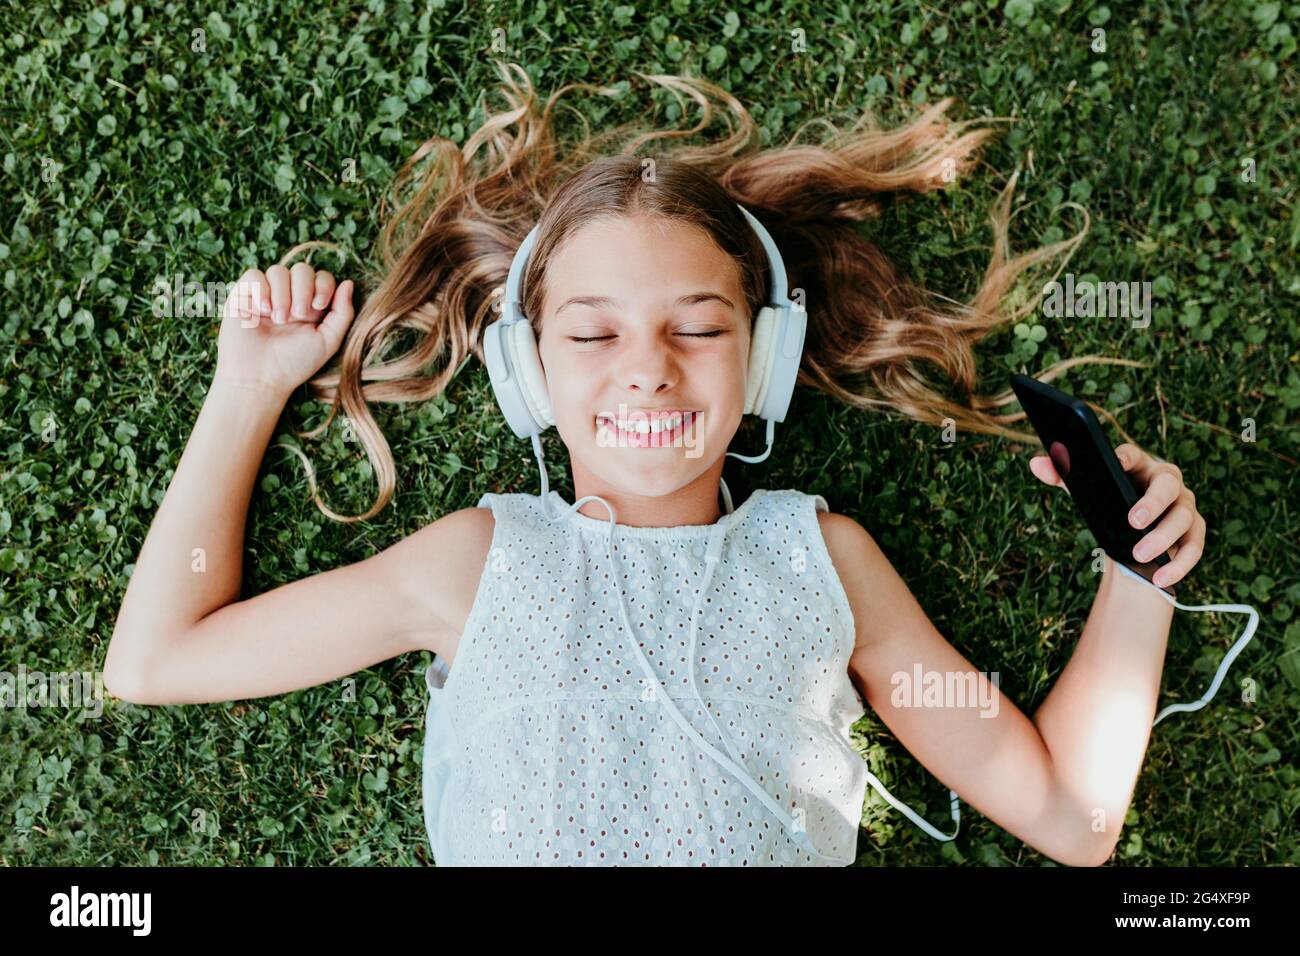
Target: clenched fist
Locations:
point(276, 332)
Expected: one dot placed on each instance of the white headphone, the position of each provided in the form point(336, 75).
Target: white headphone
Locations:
point(519, 383)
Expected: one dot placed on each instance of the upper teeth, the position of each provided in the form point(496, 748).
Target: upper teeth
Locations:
point(644, 426)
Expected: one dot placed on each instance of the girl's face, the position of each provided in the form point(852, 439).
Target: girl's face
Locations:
point(644, 314)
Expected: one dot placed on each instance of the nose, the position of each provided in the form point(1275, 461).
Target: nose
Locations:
point(647, 366)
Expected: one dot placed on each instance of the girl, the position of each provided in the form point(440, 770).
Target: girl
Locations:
point(684, 694)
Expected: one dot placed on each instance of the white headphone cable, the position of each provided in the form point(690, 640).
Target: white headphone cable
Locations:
point(1247, 633)
point(797, 833)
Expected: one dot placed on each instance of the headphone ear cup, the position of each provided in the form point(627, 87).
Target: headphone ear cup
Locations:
point(532, 379)
point(761, 353)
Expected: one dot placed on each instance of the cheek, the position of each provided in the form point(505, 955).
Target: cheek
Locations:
point(566, 386)
point(735, 377)
point(576, 393)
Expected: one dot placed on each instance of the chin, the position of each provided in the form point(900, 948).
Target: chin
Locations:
point(647, 481)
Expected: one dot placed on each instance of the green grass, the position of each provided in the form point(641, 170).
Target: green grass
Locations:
point(170, 160)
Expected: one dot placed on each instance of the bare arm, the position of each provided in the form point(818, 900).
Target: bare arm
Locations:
point(1061, 782)
point(191, 561)
point(182, 635)
point(981, 745)
point(1034, 785)
point(1096, 721)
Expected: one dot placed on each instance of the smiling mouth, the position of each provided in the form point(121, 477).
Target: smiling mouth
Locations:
point(641, 431)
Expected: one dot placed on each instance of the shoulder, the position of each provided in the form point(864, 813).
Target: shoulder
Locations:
point(446, 561)
point(845, 538)
point(852, 545)
point(457, 531)
point(476, 524)
point(872, 586)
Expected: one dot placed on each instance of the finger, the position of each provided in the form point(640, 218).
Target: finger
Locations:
point(1177, 521)
point(246, 297)
point(1165, 488)
point(254, 296)
point(1189, 552)
point(237, 302)
point(1045, 471)
point(260, 290)
point(324, 291)
point(303, 279)
point(278, 278)
point(1132, 458)
point(336, 322)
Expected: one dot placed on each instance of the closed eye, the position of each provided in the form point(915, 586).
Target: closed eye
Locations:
point(693, 335)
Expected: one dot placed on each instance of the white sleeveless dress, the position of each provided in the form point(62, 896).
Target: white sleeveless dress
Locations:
point(543, 748)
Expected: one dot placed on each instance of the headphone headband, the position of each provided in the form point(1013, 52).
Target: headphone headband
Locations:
point(513, 306)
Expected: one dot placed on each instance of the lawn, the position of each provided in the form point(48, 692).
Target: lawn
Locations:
point(145, 140)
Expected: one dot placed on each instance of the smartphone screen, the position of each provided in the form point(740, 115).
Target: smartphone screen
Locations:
point(1101, 490)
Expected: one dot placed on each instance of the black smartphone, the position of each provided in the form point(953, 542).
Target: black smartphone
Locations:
point(1073, 439)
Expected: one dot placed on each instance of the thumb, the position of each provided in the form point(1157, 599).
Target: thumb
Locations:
point(1045, 471)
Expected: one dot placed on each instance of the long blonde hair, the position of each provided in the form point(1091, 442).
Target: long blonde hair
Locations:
point(446, 247)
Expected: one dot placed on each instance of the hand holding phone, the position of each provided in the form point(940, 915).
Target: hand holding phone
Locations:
point(1080, 459)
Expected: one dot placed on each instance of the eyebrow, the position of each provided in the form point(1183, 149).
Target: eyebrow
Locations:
point(601, 301)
